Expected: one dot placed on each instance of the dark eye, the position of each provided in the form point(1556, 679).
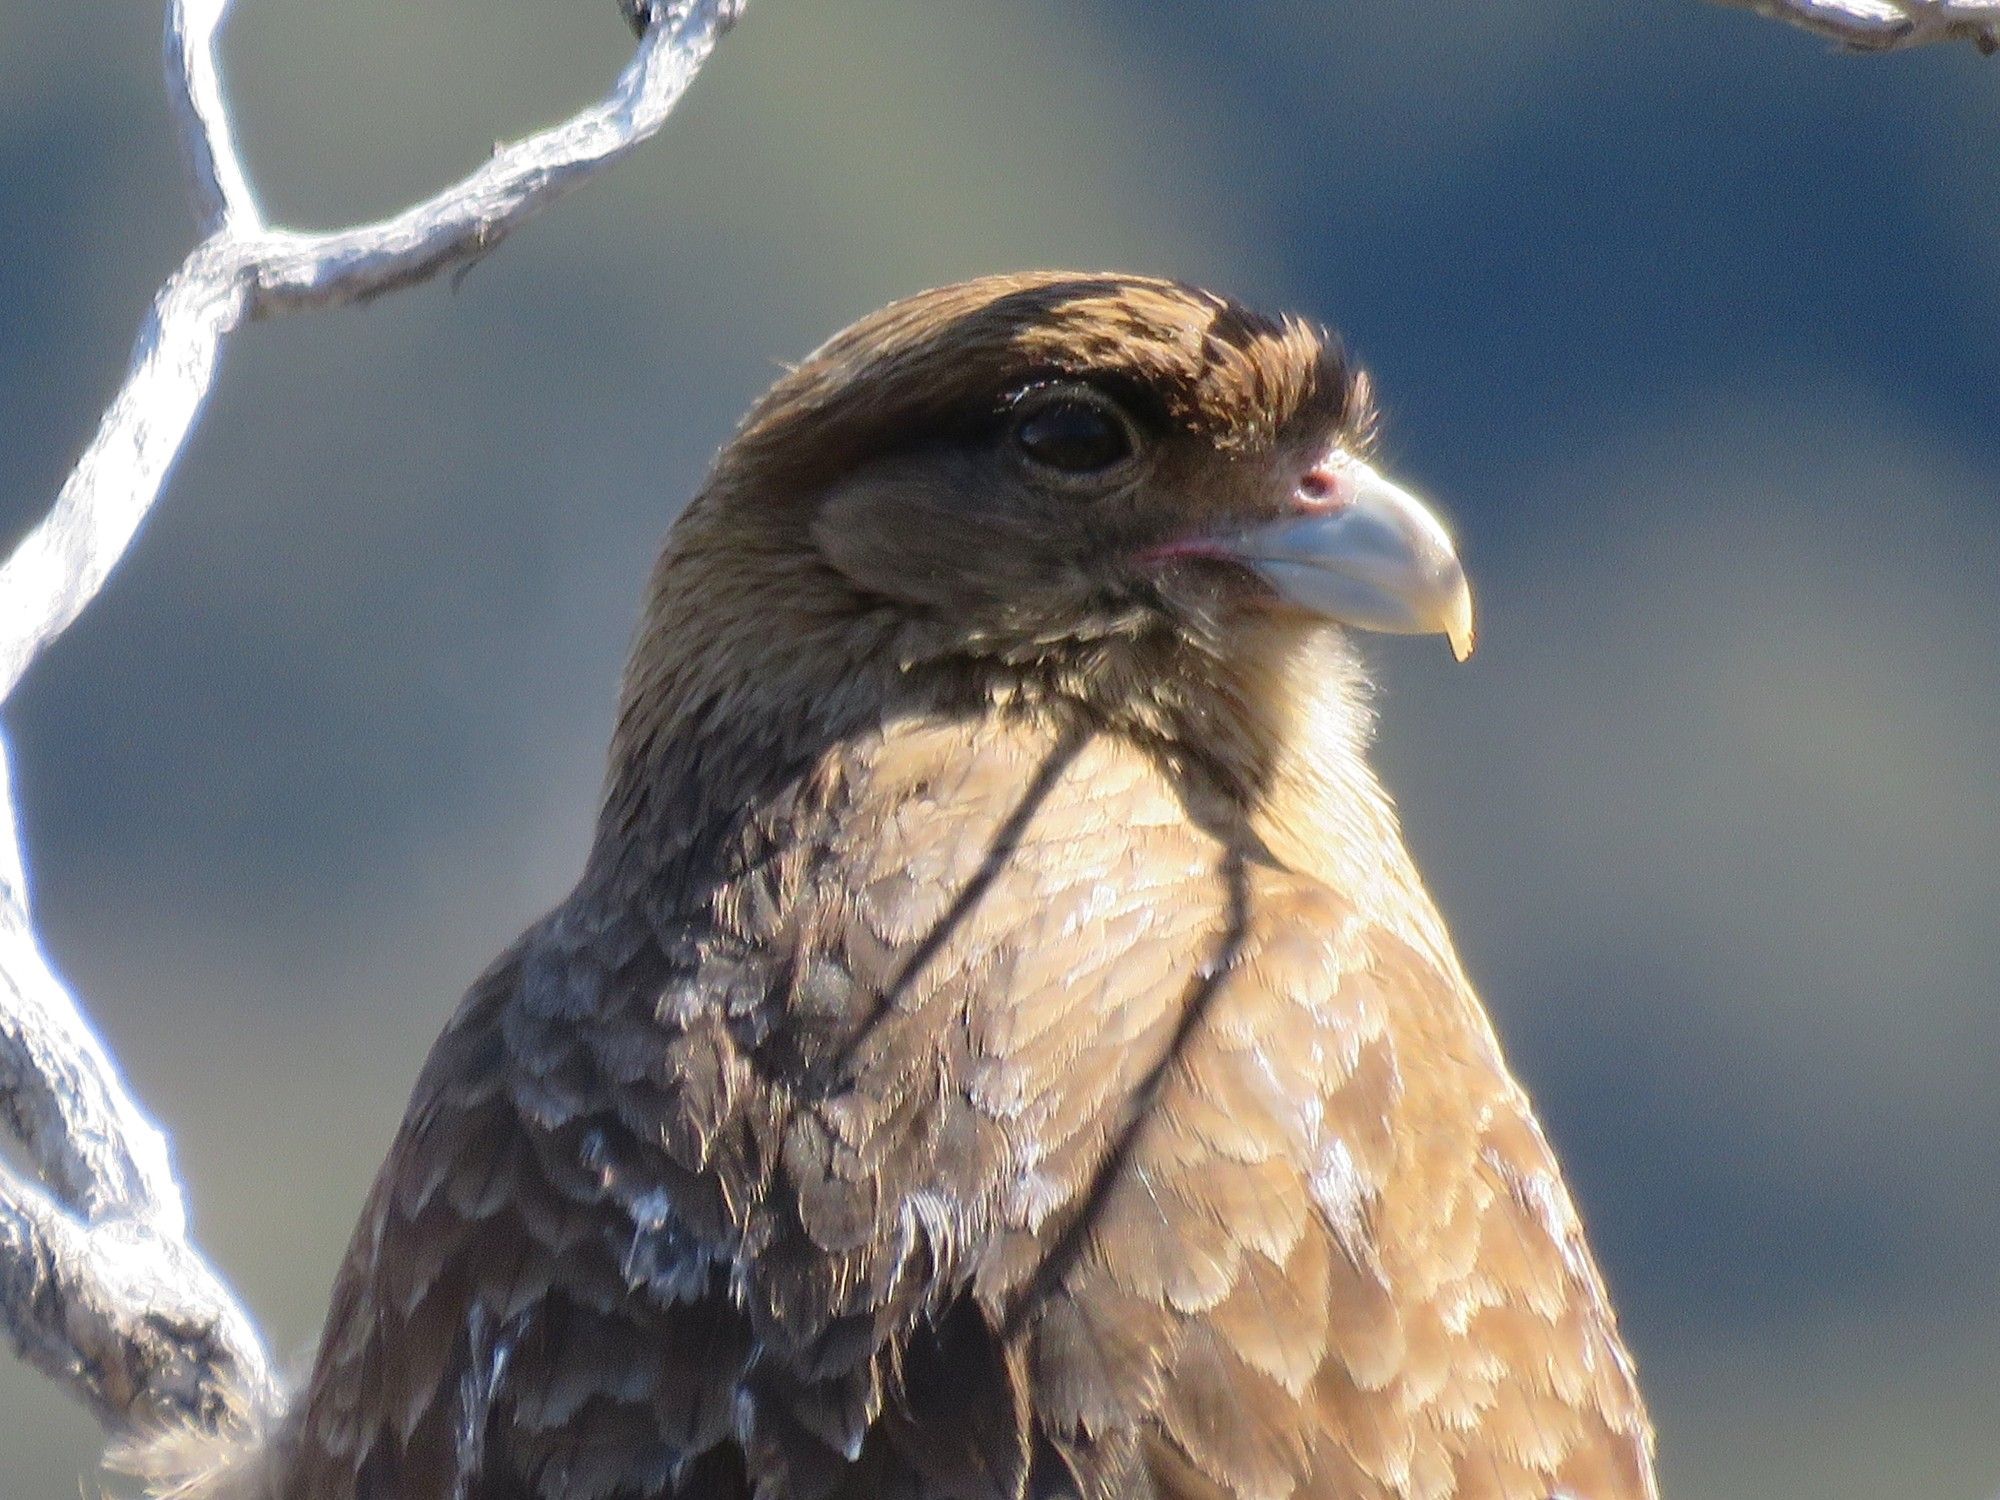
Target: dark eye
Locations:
point(1074, 433)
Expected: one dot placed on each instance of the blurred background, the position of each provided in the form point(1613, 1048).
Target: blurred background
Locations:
point(1691, 324)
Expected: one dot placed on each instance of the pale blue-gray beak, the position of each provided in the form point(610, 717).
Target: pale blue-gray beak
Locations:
point(1366, 553)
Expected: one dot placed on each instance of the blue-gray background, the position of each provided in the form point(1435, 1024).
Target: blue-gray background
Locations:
point(1692, 325)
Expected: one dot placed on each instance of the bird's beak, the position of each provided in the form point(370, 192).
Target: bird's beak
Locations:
point(1365, 552)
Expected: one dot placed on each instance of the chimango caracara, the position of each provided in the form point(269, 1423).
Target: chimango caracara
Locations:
point(999, 1046)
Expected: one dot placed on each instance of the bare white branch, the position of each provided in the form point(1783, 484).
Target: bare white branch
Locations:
point(60, 1093)
point(60, 565)
point(129, 1317)
point(1889, 25)
point(473, 216)
point(100, 1286)
point(245, 270)
point(216, 177)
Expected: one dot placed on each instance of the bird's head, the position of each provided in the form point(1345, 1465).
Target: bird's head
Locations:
point(1108, 484)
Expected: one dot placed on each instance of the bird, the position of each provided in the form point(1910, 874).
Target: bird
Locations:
point(999, 1046)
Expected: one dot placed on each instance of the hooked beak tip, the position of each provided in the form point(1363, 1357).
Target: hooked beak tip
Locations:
point(1458, 626)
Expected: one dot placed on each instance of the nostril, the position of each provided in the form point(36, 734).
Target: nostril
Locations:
point(1319, 489)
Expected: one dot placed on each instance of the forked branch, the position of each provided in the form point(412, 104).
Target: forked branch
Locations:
point(100, 1286)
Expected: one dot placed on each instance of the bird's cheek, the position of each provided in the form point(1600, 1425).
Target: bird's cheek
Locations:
point(888, 542)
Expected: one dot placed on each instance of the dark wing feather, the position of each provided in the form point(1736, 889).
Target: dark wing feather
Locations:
point(537, 1300)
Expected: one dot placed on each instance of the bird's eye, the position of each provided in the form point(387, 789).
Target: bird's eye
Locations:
point(1074, 433)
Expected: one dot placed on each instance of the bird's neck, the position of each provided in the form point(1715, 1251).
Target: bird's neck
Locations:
point(727, 709)
point(1305, 725)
